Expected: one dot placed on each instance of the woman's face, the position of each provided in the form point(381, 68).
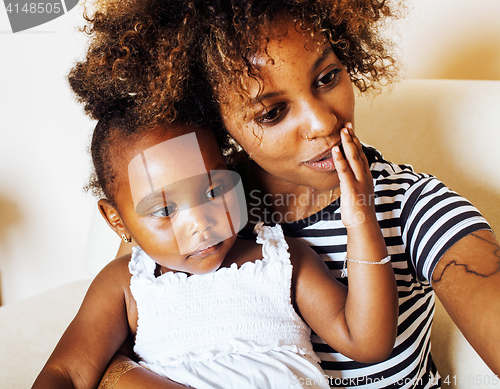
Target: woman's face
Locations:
point(307, 98)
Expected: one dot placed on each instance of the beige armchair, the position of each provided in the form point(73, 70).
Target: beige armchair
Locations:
point(450, 129)
point(447, 128)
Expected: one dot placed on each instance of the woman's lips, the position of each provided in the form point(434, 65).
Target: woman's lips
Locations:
point(324, 155)
point(323, 161)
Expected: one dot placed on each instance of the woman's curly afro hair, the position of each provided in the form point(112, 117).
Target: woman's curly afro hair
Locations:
point(171, 59)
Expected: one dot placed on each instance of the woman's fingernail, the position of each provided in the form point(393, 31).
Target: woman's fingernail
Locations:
point(336, 149)
point(346, 131)
point(349, 125)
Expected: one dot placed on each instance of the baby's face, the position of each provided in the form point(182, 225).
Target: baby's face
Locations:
point(182, 206)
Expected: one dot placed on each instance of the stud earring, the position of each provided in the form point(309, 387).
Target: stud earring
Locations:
point(125, 239)
point(307, 137)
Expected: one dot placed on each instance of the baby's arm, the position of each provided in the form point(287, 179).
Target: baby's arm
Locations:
point(362, 323)
point(136, 378)
point(98, 330)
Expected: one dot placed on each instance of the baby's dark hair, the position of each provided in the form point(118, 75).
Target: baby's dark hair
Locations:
point(119, 129)
point(113, 133)
point(155, 52)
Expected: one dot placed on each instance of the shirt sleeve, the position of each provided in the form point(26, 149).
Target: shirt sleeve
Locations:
point(434, 218)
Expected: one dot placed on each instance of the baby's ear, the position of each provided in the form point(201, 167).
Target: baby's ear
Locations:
point(110, 214)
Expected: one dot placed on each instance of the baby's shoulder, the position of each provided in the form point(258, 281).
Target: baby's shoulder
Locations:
point(116, 272)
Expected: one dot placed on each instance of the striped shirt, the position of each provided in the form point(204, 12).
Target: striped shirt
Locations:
point(420, 219)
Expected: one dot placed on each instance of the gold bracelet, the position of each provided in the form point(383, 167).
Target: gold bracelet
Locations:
point(344, 269)
point(116, 372)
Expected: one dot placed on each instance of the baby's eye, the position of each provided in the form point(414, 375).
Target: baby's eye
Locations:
point(165, 211)
point(272, 115)
point(215, 192)
point(330, 78)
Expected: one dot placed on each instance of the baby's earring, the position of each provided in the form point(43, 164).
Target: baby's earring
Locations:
point(234, 144)
point(125, 239)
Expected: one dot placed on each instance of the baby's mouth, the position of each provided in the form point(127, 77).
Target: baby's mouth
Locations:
point(206, 246)
point(206, 249)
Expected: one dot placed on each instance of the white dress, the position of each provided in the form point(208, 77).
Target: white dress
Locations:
point(233, 328)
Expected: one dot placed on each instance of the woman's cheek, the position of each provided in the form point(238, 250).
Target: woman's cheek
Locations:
point(250, 139)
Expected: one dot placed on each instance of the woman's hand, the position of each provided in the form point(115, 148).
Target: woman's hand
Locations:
point(357, 200)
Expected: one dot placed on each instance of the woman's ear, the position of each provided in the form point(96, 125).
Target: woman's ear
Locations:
point(114, 220)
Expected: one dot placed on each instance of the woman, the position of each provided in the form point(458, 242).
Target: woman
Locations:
point(281, 74)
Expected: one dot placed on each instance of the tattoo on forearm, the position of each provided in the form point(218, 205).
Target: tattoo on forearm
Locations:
point(496, 253)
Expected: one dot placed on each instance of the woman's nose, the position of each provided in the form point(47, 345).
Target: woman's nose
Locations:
point(319, 120)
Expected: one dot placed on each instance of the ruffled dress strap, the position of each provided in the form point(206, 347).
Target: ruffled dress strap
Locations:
point(141, 266)
point(274, 246)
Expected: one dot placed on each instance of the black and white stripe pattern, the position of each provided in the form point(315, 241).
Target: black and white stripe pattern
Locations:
point(420, 219)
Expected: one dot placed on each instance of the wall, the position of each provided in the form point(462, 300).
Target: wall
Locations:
point(45, 216)
point(452, 39)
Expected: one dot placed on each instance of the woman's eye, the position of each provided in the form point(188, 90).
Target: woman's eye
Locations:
point(329, 78)
point(215, 192)
point(271, 116)
point(165, 211)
